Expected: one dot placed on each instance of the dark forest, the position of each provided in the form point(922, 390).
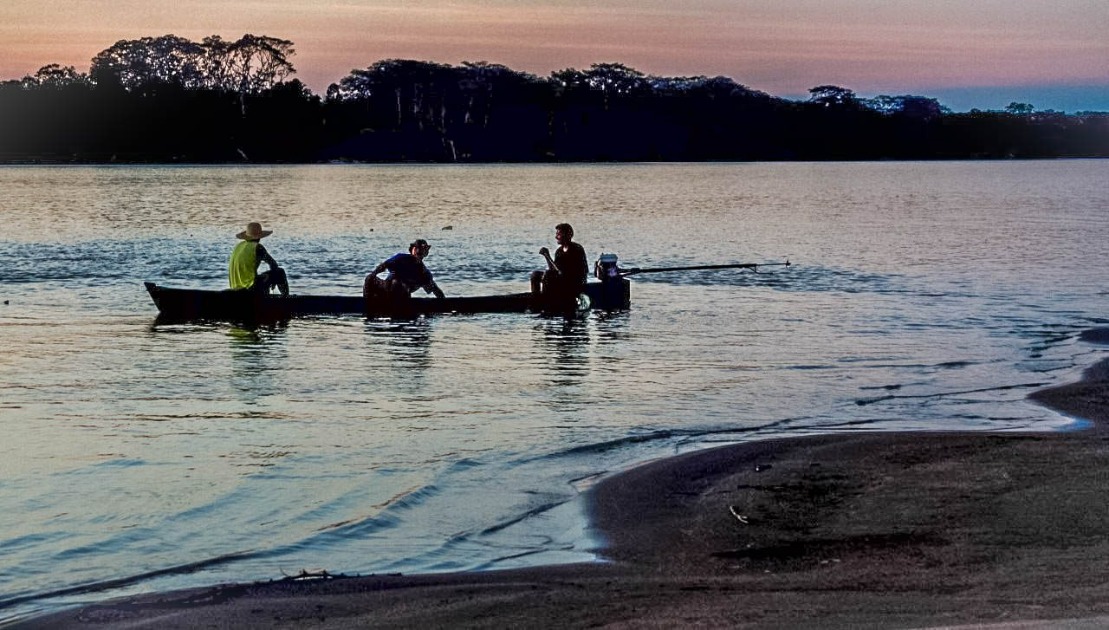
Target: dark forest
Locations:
point(171, 100)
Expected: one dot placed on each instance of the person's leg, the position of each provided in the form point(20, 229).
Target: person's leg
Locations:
point(373, 287)
point(267, 280)
point(376, 295)
point(396, 291)
point(262, 283)
point(399, 300)
point(560, 296)
point(537, 283)
point(280, 280)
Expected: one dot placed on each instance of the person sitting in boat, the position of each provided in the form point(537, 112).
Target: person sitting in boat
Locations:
point(242, 268)
point(566, 274)
point(407, 272)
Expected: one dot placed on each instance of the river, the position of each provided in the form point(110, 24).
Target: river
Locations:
point(139, 457)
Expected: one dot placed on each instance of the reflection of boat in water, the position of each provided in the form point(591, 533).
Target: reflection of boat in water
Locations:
point(245, 305)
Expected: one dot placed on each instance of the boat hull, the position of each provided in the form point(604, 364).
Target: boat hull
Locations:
point(240, 305)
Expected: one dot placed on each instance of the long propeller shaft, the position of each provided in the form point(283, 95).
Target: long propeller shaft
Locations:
point(753, 266)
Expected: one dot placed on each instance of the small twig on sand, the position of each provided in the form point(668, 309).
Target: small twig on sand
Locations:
point(322, 574)
point(740, 517)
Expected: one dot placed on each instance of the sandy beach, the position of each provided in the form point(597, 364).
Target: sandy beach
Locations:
point(852, 530)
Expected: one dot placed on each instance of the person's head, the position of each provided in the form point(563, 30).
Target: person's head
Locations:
point(253, 232)
point(564, 233)
point(419, 248)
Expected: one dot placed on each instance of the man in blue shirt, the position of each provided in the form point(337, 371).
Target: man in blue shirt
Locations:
point(407, 273)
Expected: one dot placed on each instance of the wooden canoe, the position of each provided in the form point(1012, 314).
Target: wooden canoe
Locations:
point(177, 304)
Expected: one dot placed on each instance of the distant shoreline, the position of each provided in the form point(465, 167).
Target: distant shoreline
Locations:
point(130, 109)
point(59, 162)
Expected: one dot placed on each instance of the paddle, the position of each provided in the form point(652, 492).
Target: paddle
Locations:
point(752, 266)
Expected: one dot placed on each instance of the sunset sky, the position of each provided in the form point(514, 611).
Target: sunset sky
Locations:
point(1053, 54)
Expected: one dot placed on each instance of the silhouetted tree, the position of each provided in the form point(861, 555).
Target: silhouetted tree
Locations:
point(167, 99)
point(256, 63)
point(248, 65)
point(911, 106)
point(833, 96)
point(56, 76)
point(149, 61)
point(498, 114)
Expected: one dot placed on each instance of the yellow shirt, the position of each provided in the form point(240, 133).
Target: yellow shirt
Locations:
point(243, 266)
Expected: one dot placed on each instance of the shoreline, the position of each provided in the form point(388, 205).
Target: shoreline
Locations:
point(866, 530)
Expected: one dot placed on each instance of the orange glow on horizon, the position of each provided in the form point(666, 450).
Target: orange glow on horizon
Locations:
point(778, 46)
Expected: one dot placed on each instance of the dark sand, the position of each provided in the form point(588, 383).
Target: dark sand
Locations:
point(866, 530)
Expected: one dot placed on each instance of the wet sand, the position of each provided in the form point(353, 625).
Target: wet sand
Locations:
point(865, 530)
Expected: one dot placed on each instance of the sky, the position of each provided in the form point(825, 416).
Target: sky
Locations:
point(984, 54)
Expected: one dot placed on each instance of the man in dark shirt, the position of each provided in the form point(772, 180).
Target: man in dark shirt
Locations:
point(407, 273)
point(566, 274)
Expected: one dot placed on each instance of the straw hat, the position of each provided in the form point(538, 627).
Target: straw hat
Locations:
point(253, 232)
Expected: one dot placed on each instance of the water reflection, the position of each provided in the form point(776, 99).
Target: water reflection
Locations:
point(565, 342)
point(406, 340)
point(612, 326)
point(259, 358)
point(398, 356)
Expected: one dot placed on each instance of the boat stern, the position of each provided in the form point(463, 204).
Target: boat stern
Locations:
point(610, 294)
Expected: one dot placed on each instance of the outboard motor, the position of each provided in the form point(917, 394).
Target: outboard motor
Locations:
point(606, 267)
point(613, 292)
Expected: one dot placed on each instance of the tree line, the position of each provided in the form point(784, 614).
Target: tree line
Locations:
point(168, 99)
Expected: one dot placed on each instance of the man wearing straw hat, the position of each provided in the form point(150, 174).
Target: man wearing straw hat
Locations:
point(242, 269)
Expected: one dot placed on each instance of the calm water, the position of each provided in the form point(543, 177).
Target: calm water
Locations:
point(138, 457)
